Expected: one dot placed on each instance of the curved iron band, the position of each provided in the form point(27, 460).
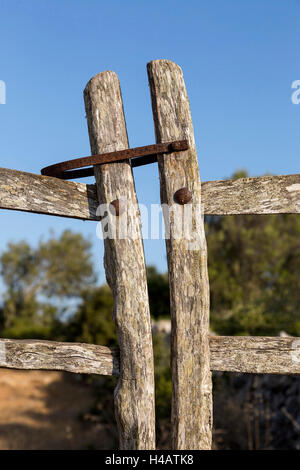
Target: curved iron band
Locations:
point(138, 156)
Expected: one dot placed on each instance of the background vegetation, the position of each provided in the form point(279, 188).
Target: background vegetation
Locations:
point(254, 263)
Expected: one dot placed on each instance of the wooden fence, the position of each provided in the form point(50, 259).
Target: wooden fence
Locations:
point(194, 352)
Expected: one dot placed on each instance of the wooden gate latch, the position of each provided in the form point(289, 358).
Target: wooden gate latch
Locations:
point(137, 156)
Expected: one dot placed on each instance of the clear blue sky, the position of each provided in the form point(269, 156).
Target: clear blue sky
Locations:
point(239, 59)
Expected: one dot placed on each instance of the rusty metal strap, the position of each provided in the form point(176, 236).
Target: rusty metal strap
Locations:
point(137, 156)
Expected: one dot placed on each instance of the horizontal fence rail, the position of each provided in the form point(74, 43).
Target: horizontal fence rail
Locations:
point(255, 354)
point(261, 355)
point(50, 355)
point(261, 195)
point(46, 195)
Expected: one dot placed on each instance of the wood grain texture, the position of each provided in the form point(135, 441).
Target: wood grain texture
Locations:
point(188, 276)
point(256, 354)
point(259, 355)
point(125, 267)
point(262, 195)
point(45, 195)
point(49, 355)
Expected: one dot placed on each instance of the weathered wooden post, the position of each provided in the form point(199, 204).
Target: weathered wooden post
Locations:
point(189, 287)
point(125, 267)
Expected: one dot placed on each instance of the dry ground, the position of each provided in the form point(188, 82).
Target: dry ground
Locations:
point(42, 410)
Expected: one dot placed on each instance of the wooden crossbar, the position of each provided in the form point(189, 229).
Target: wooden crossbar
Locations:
point(29, 192)
point(259, 355)
point(51, 355)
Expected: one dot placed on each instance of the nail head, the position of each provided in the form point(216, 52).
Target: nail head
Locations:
point(182, 196)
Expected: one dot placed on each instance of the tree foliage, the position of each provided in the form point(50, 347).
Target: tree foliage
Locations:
point(253, 262)
point(39, 280)
point(158, 288)
point(93, 321)
point(253, 266)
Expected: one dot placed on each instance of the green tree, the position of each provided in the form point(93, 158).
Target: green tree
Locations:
point(39, 280)
point(253, 264)
point(159, 297)
point(93, 321)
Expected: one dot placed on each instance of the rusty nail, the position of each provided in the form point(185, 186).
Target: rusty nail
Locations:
point(183, 196)
point(117, 207)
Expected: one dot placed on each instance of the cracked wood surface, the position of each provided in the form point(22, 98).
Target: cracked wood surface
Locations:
point(50, 355)
point(188, 276)
point(125, 267)
point(256, 354)
point(261, 195)
point(46, 195)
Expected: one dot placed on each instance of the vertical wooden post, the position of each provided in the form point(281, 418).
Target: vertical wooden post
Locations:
point(125, 267)
point(189, 287)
